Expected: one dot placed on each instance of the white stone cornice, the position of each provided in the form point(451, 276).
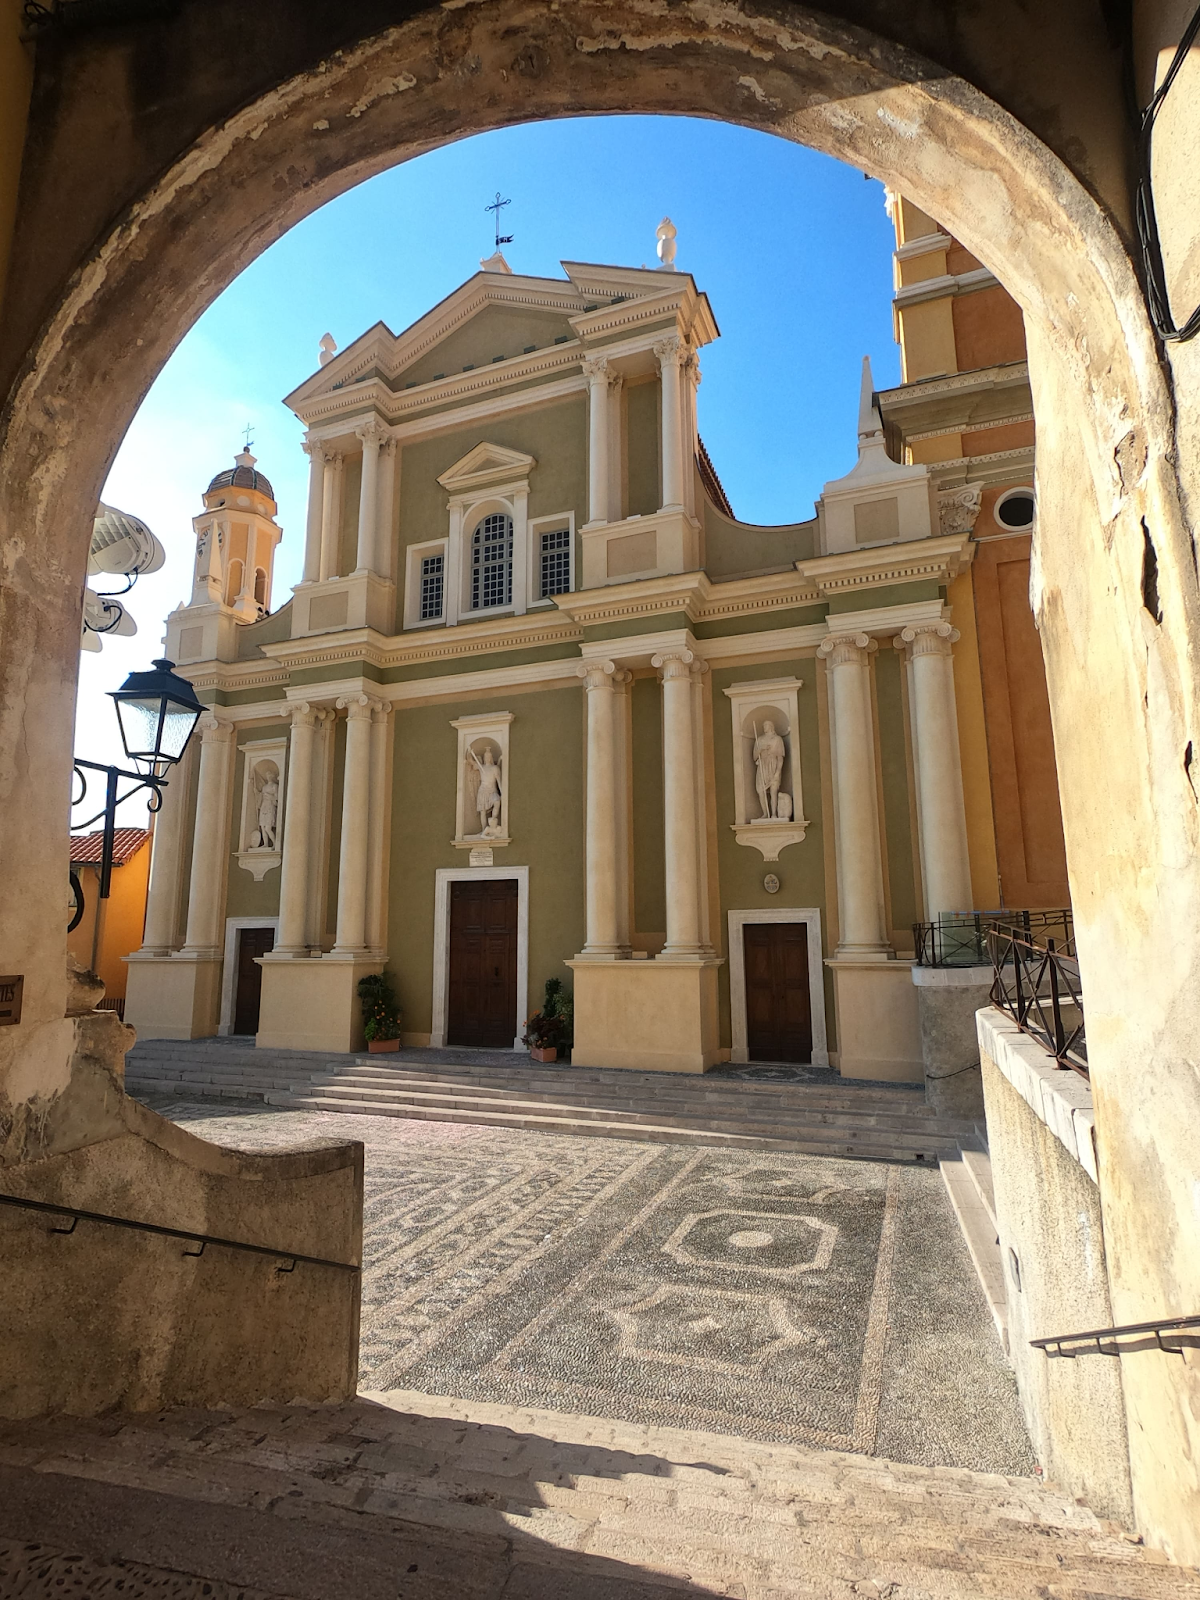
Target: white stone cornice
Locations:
point(1004, 373)
point(926, 245)
point(884, 621)
point(908, 562)
point(951, 283)
point(619, 602)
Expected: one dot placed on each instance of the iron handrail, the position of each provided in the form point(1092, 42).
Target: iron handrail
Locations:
point(202, 1239)
point(1035, 985)
point(959, 938)
point(1158, 1327)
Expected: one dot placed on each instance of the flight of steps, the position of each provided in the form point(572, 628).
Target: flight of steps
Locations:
point(968, 1178)
point(880, 1122)
point(405, 1496)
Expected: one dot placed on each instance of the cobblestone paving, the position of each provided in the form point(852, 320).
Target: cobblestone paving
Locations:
point(785, 1298)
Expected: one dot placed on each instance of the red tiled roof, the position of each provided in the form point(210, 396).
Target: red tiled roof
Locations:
point(87, 847)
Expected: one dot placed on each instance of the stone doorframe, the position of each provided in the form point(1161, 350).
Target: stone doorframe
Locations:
point(444, 877)
point(739, 1054)
point(233, 926)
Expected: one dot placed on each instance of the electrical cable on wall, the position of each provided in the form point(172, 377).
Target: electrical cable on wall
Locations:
point(1157, 293)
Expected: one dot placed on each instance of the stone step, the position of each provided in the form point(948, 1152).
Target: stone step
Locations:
point(701, 1114)
point(862, 1145)
point(978, 1224)
point(978, 1165)
point(478, 1498)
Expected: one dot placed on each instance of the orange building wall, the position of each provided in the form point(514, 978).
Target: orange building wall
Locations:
point(122, 919)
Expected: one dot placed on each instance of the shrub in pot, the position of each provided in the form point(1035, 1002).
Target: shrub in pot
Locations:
point(381, 1014)
point(550, 1030)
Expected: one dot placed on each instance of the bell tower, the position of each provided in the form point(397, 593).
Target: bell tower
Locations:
point(236, 539)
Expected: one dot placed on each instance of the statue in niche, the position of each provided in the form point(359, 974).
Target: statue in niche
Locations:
point(486, 793)
point(769, 754)
point(267, 832)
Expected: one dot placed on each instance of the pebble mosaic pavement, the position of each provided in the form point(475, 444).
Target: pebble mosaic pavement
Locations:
point(786, 1298)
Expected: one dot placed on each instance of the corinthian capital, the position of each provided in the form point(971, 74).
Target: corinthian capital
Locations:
point(595, 369)
point(843, 649)
point(671, 351)
point(371, 432)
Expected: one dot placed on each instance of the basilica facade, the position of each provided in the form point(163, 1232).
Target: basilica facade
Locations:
point(542, 706)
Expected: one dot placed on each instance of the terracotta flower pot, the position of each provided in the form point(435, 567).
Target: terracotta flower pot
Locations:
point(543, 1052)
point(378, 1047)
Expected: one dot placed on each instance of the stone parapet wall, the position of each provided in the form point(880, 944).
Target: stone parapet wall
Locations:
point(1051, 1237)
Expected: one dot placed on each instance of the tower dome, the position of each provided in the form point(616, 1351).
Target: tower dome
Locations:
point(242, 476)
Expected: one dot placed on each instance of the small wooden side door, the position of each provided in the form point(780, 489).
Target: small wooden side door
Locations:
point(251, 942)
point(482, 999)
point(778, 1001)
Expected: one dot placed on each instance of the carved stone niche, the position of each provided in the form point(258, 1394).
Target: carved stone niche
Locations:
point(481, 804)
point(260, 828)
point(767, 795)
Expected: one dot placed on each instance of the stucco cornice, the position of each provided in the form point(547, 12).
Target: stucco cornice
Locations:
point(940, 559)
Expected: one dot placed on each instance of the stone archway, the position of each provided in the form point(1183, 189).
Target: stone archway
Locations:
point(1117, 646)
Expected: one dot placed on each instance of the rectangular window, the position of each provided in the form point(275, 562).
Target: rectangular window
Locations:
point(433, 577)
point(556, 563)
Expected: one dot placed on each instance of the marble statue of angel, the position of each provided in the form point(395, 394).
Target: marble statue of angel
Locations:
point(268, 814)
point(769, 753)
point(486, 792)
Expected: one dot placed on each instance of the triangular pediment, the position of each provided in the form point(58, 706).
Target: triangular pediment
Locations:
point(487, 463)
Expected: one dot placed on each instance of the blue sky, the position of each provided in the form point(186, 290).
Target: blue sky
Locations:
point(792, 248)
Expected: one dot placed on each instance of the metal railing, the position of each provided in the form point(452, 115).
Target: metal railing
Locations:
point(1038, 986)
point(959, 938)
point(75, 1215)
point(1095, 1339)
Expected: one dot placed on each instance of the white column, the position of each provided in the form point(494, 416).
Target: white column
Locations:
point(607, 875)
point(209, 864)
point(372, 436)
point(316, 502)
point(521, 561)
point(595, 370)
point(616, 453)
point(941, 810)
point(356, 806)
point(621, 775)
point(331, 485)
point(452, 593)
point(389, 470)
point(856, 801)
point(166, 863)
point(685, 934)
point(377, 838)
point(319, 827)
point(672, 353)
point(691, 430)
point(297, 834)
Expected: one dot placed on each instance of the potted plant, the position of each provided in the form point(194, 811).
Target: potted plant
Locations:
point(381, 1014)
point(549, 1030)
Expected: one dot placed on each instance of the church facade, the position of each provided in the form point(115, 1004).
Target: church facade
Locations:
point(542, 706)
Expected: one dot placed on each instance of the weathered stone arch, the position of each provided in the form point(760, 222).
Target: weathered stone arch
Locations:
point(1109, 488)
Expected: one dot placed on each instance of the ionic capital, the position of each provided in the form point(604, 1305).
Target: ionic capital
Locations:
point(927, 639)
point(845, 649)
point(596, 674)
point(358, 707)
point(213, 730)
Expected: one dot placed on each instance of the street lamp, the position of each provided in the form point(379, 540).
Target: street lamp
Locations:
point(157, 713)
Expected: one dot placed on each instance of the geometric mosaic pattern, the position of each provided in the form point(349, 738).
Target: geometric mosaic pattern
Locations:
point(799, 1299)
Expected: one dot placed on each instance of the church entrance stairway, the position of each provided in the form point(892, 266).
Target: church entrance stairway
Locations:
point(759, 1108)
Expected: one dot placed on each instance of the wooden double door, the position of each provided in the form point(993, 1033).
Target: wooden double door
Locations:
point(482, 997)
point(778, 996)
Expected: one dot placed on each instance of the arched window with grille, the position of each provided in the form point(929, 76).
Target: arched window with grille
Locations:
point(491, 562)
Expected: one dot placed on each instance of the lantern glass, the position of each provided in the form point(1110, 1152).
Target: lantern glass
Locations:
point(157, 712)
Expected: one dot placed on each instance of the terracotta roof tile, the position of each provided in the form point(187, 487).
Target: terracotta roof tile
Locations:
point(87, 848)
